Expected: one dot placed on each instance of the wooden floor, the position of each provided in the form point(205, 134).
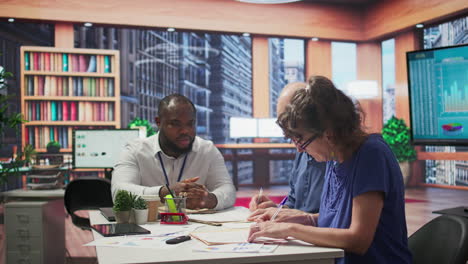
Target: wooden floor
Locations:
point(417, 214)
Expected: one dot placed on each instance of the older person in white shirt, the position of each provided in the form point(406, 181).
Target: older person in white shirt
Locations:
point(189, 165)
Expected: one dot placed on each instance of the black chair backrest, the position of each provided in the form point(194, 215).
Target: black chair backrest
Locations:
point(87, 193)
point(442, 240)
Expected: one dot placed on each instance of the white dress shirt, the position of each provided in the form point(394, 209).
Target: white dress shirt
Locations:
point(140, 172)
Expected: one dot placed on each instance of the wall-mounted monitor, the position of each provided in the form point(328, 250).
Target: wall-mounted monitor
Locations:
point(438, 89)
point(268, 128)
point(100, 148)
point(242, 127)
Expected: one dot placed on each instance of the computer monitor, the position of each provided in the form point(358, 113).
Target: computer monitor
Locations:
point(242, 127)
point(268, 128)
point(100, 148)
point(438, 90)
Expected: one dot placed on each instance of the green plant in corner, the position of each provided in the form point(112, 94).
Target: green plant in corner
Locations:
point(139, 203)
point(28, 154)
point(397, 135)
point(11, 120)
point(137, 122)
point(8, 119)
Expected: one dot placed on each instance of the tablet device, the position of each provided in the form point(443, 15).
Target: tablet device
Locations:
point(108, 213)
point(109, 230)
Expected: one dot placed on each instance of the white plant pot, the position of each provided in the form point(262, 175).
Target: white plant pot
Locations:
point(141, 216)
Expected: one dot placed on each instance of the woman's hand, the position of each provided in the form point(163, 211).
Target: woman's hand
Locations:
point(269, 229)
point(260, 202)
point(285, 215)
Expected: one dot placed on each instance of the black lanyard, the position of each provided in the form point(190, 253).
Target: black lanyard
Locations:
point(164, 169)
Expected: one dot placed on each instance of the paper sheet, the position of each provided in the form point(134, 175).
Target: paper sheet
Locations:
point(238, 248)
point(234, 214)
point(222, 236)
point(147, 241)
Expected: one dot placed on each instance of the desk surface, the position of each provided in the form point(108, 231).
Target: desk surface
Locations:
point(30, 194)
point(183, 253)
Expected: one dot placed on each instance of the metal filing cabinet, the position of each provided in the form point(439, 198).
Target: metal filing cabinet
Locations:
point(35, 232)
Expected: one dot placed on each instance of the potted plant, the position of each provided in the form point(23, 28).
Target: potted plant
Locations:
point(397, 135)
point(137, 122)
point(53, 147)
point(29, 154)
point(122, 206)
point(140, 211)
point(8, 120)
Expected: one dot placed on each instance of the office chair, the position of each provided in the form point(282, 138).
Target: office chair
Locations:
point(87, 193)
point(442, 240)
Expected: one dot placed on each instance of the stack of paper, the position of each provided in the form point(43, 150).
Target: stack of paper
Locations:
point(234, 214)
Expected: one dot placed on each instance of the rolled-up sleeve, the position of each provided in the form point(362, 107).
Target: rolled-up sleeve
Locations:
point(218, 180)
point(126, 174)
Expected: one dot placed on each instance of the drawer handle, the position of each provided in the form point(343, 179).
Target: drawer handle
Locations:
point(24, 261)
point(23, 248)
point(23, 218)
point(22, 232)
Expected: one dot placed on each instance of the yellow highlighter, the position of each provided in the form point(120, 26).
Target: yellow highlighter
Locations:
point(170, 204)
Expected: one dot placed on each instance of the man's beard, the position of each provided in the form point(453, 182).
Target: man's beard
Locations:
point(173, 147)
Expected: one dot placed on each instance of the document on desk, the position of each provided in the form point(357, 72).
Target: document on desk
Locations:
point(223, 236)
point(238, 248)
point(147, 241)
point(233, 214)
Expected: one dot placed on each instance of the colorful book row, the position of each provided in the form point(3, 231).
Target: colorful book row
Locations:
point(69, 111)
point(40, 136)
point(65, 62)
point(63, 86)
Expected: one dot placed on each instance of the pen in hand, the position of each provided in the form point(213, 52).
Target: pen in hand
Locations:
point(280, 206)
point(260, 193)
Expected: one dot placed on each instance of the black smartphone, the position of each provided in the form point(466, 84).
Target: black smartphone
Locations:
point(108, 230)
point(177, 240)
point(108, 213)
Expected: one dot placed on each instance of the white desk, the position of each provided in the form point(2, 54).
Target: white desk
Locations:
point(183, 254)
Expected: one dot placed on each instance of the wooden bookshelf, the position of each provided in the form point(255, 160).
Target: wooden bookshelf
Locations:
point(63, 89)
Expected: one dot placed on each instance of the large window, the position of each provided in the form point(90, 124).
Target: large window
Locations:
point(213, 70)
point(286, 65)
point(343, 63)
point(388, 78)
point(447, 172)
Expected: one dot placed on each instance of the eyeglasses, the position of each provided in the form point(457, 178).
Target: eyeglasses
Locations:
point(304, 145)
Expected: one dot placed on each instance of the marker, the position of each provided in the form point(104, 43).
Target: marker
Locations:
point(280, 206)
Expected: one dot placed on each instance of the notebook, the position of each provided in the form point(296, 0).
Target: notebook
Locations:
point(108, 213)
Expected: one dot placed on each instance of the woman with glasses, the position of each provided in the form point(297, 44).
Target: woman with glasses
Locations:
point(362, 205)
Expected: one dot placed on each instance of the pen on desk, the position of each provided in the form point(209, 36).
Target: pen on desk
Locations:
point(280, 206)
point(260, 193)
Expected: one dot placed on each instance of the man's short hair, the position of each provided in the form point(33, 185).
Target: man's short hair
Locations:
point(176, 98)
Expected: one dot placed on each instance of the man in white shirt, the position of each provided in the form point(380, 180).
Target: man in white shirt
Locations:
point(176, 157)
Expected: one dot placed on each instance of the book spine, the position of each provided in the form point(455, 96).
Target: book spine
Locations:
point(65, 62)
